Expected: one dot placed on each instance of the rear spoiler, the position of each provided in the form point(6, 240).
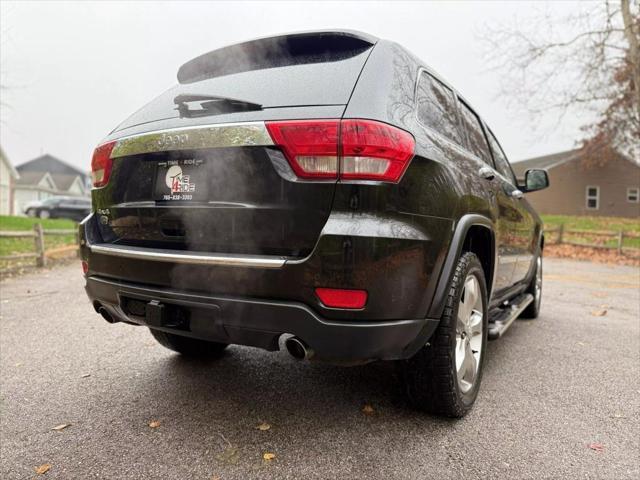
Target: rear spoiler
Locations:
point(278, 51)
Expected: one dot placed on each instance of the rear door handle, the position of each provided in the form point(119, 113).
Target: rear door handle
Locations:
point(487, 173)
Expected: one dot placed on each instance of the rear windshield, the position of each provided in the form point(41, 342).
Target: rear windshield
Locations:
point(326, 82)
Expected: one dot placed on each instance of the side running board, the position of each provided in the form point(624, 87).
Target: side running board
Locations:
point(502, 320)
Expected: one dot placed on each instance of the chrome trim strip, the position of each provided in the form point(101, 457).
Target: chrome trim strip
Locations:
point(196, 137)
point(191, 258)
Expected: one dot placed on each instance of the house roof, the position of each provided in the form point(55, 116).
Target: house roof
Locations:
point(4, 159)
point(546, 161)
point(64, 182)
point(51, 164)
point(30, 178)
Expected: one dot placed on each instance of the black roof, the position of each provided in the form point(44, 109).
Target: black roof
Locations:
point(51, 164)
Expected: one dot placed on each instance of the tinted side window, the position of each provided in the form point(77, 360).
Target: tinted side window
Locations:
point(477, 141)
point(502, 164)
point(437, 108)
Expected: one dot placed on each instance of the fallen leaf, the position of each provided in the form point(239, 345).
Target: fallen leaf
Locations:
point(268, 456)
point(599, 313)
point(368, 409)
point(85, 375)
point(42, 469)
point(228, 455)
point(616, 415)
point(598, 447)
point(598, 255)
point(263, 426)
point(154, 423)
point(580, 343)
point(62, 426)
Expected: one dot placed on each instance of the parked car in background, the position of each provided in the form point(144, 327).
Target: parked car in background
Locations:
point(325, 191)
point(72, 208)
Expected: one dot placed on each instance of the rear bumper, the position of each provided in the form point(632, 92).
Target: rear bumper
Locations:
point(259, 323)
point(396, 258)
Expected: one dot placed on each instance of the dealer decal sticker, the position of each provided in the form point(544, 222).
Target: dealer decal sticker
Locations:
point(178, 181)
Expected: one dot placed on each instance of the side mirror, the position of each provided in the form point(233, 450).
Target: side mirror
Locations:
point(535, 180)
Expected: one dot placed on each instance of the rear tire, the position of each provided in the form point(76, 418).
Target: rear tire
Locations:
point(44, 214)
point(189, 347)
point(535, 289)
point(444, 376)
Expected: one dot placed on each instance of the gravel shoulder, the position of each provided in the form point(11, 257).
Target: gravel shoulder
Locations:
point(551, 388)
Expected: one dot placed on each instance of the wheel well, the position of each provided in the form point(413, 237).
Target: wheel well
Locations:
point(479, 240)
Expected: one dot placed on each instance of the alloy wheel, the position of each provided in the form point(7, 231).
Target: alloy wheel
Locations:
point(469, 332)
point(537, 291)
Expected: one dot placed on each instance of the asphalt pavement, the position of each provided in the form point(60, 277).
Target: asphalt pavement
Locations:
point(559, 399)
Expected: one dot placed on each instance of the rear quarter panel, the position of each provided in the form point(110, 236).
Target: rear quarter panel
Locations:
point(441, 181)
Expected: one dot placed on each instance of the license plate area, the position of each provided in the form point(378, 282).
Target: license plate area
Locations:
point(182, 180)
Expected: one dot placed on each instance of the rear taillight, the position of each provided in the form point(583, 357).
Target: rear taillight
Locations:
point(347, 149)
point(374, 151)
point(101, 164)
point(311, 146)
point(342, 298)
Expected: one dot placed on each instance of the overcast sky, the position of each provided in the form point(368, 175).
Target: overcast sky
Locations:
point(73, 71)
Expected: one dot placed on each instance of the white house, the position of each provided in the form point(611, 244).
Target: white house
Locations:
point(48, 176)
point(8, 177)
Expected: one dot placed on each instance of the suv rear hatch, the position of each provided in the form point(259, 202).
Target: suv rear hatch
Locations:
point(197, 170)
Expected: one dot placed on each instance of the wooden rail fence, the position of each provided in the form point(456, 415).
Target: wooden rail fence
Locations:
point(38, 234)
point(40, 253)
point(619, 236)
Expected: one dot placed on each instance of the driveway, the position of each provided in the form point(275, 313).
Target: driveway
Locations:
point(559, 399)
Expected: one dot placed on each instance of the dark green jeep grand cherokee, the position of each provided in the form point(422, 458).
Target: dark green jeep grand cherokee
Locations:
point(324, 192)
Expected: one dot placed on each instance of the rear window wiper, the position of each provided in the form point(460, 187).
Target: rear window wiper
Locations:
point(211, 105)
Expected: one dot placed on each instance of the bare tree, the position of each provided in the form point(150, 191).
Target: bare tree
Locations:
point(586, 64)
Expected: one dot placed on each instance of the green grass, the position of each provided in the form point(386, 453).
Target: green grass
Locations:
point(10, 246)
point(614, 224)
point(26, 223)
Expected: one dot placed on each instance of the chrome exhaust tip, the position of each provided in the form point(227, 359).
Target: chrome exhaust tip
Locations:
point(297, 348)
point(106, 315)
